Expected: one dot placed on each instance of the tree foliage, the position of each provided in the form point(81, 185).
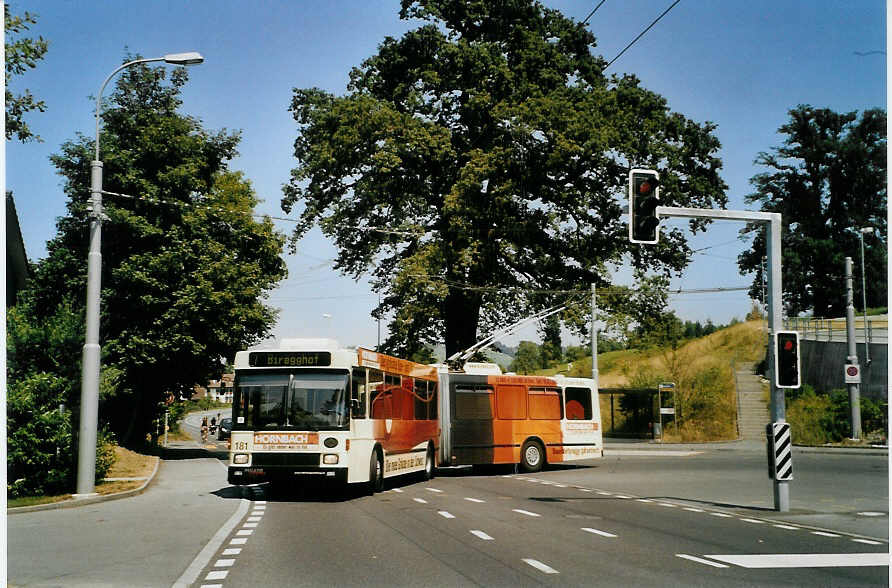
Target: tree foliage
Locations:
point(482, 156)
point(828, 177)
point(185, 267)
point(22, 54)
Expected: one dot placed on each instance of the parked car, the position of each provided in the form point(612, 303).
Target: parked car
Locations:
point(225, 429)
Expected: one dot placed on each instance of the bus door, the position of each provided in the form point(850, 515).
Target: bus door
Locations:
point(581, 426)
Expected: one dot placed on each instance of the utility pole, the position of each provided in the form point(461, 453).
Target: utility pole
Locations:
point(852, 359)
point(594, 340)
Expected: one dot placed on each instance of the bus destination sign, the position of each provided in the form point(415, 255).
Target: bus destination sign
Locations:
point(289, 359)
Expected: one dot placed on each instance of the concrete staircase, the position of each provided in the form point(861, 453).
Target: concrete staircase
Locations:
point(752, 405)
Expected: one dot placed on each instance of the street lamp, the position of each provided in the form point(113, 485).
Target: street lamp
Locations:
point(86, 463)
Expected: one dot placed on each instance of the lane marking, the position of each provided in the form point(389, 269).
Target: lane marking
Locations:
point(232, 551)
point(700, 560)
point(469, 499)
point(445, 514)
point(644, 500)
point(623, 497)
point(871, 513)
point(540, 566)
point(224, 563)
point(421, 500)
point(584, 490)
point(667, 505)
point(806, 560)
point(597, 532)
point(526, 512)
point(217, 575)
point(602, 493)
point(212, 586)
point(692, 509)
point(720, 514)
point(434, 490)
point(753, 521)
point(788, 527)
point(249, 525)
point(238, 541)
point(203, 558)
point(482, 535)
point(825, 534)
point(245, 532)
point(254, 519)
point(867, 541)
point(398, 490)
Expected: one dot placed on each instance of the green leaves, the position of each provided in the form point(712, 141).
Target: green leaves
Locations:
point(21, 55)
point(487, 149)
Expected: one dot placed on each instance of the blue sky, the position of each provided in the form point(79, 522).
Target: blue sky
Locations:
point(742, 65)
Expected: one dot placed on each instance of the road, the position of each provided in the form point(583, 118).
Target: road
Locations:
point(681, 518)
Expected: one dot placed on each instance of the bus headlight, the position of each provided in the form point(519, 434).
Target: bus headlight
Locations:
point(330, 459)
point(240, 458)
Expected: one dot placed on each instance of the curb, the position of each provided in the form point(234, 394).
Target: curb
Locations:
point(75, 502)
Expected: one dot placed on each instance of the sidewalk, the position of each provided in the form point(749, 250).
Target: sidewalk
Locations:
point(147, 540)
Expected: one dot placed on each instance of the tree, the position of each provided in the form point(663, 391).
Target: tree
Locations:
point(527, 358)
point(827, 177)
point(22, 54)
point(185, 267)
point(482, 156)
point(551, 351)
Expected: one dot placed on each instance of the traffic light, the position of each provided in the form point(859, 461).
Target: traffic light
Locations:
point(644, 197)
point(786, 359)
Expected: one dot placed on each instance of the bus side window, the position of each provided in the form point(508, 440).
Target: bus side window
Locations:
point(424, 397)
point(545, 403)
point(511, 402)
point(358, 388)
point(579, 404)
point(473, 403)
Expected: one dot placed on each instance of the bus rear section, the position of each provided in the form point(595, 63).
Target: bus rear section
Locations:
point(528, 420)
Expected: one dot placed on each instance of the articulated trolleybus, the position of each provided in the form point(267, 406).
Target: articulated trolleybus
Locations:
point(311, 409)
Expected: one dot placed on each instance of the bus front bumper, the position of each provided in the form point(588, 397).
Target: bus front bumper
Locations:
point(241, 475)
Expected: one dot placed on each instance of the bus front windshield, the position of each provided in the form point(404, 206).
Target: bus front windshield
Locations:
point(302, 400)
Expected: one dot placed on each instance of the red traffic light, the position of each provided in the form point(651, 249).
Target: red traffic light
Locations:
point(645, 188)
point(788, 345)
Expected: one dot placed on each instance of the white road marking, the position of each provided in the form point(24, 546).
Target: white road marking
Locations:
point(540, 566)
point(469, 499)
point(245, 532)
point(597, 532)
point(692, 509)
point(823, 534)
point(871, 513)
point(224, 563)
point(212, 586)
point(201, 561)
point(217, 575)
point(787, 527)
point(421, 500)
point(754, 521)
point(805, 560)
point(700, 560)
point(644, 500)
point(249, 525)
point(260, 502)
point(560, 485)
point(258, 513)
point(526, 512)
point(254, 519)
point(238, 541)
point(445, 514)
point(621, 496)
point(232, 551)
point(667, 505)
point(584, 490)
point(434, 490)
point(720, 514)
point(602, 493)
point(867, 541)
point(482, 535)
point(398, 490)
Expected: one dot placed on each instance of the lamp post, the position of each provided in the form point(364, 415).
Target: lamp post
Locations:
point(861, 232)
point(86, 463)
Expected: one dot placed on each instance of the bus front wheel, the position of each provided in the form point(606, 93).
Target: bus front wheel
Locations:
point(376, 472)
point(532, 457)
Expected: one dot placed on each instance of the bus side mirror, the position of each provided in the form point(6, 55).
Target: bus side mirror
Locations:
point(354, 406)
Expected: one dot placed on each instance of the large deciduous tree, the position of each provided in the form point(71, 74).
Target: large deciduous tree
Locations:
point(22, 54)
point(483, 155)
point(828, 178)
point(185, 266)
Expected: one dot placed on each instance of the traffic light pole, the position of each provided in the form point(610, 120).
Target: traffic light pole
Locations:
point(775, 307)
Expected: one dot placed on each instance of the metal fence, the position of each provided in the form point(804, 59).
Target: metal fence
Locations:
point(834, 329)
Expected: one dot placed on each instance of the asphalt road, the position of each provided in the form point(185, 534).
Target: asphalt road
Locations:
point(683, 518)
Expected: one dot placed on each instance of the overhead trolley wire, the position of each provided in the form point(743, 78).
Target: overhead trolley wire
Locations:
point(641, 34)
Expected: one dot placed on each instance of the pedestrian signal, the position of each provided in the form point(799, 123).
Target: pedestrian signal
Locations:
point(644, 197)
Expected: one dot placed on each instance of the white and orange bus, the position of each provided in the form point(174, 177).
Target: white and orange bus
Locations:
point(312, 409)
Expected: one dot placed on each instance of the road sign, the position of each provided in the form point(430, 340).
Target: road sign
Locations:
point(669, 410)
point(853, 374)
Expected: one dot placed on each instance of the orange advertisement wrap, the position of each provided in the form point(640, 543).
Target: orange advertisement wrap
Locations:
point(395, 365)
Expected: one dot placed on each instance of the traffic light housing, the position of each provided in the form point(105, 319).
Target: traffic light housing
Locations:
point(644, 197)
point(786, 359)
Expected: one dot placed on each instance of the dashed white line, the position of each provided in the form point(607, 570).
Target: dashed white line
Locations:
point(692, 509)
point(420, 500)
point(526, 512)
point(540, 566)
point(598, 532)
point(238, 541)
point(667, 505)
point(249, 525)
point(232, 551)
point(445, 514)
point(244, 532)
point(622, 496)
point(254, 519)
point(398, 490)
point(644, 500)
point(217, 575)
point(212, 586)
point(434, 490)
point(753, 521)
point(867, 541)
point(700, 560)
point(720, 514)
point(469, 499)
point(584, 490)
point(482, 535)
point(224, 563)
point(824, 534)
point(788, 527)
point(602, 493)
